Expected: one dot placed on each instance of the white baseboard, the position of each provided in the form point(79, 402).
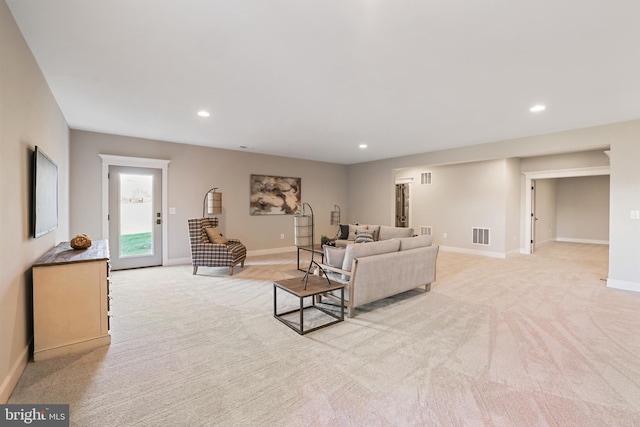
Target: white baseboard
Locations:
point(623, 285)
point(178, 261)
point(590, 241)
point(271, 251)
point(10, 382)
point(473, 252)
point(513, 252)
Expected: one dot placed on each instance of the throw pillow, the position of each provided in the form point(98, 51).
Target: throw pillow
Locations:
point(353, 228)
point(375, 230)
point(344, 231)
point(215, 236)
point(220, 240)
point(334, 257)
point(363, 236)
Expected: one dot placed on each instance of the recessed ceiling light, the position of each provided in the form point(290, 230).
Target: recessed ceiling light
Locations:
point(537, 108)
point(203, 113)
point(362, 145)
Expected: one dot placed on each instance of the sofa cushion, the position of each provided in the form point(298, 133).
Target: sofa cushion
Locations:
point(387, 232)
point(374, 248)
point(334, 257)
point(415, 242)
point(363, 236)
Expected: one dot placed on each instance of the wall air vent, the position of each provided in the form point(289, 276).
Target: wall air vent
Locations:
point(426, 230)
point(425, 178)
point(480, 236)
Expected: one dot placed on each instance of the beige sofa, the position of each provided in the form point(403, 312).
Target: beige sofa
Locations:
point(378, 232)
point(377, 270)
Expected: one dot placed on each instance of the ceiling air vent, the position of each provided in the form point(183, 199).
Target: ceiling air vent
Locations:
point(480, 236)
point(426, 230)
point(425, 178)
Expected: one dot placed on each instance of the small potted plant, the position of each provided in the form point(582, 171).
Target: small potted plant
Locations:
point(324, 240)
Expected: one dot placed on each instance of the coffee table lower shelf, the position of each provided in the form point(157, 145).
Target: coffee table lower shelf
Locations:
point(315, 286)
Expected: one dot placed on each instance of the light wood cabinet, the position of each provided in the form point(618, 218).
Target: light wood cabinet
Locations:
point(71, 300)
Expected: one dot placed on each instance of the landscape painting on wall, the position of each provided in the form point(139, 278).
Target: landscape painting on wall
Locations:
point(275, 195)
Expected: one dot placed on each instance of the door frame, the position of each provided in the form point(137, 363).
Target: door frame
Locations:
point(561, 173)
point(533, 218)
point(137, 162)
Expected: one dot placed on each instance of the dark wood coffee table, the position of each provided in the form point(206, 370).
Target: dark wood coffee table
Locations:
point(315, 286)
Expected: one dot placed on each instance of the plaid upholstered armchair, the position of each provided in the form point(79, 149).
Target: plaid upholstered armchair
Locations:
point(206, 253)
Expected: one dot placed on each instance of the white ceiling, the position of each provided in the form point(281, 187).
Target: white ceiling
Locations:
point(313, 79)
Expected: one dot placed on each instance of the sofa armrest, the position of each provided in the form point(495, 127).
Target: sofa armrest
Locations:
point(335, 269)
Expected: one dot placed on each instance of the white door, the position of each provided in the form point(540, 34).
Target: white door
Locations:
point(135, 219)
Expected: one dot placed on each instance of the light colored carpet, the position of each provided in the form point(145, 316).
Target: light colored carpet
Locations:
point(528, 341)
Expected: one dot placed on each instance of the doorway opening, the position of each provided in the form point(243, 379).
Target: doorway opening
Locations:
point(159, 211)
point(402, 205)
point(135, 218)
point(531, 216)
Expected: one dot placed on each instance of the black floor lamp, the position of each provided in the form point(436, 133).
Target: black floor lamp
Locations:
point(304, 235)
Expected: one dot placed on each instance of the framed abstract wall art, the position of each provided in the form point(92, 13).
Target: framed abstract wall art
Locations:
point(275, 195)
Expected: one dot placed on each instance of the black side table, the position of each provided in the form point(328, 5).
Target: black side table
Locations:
point(315, 286)
point(314, 249)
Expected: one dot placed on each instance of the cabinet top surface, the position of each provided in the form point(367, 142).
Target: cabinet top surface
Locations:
point(63, 253)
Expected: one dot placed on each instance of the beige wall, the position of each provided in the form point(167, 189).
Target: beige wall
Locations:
point(192, 171)
point(461, 197)
point(371, 183)
point(29, 116)
point(624, 232)
point(556, 162)
point(583, 209)
point(464, 192)
point(512, 210)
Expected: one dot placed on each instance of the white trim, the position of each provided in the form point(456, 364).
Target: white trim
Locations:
point(11, 380)
point(136, 162)
point(558, 173)
point(589, 241)
point(623, 285)
point(178, 261)
point(569, 173)
point(408, 180)
point(490, 254)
